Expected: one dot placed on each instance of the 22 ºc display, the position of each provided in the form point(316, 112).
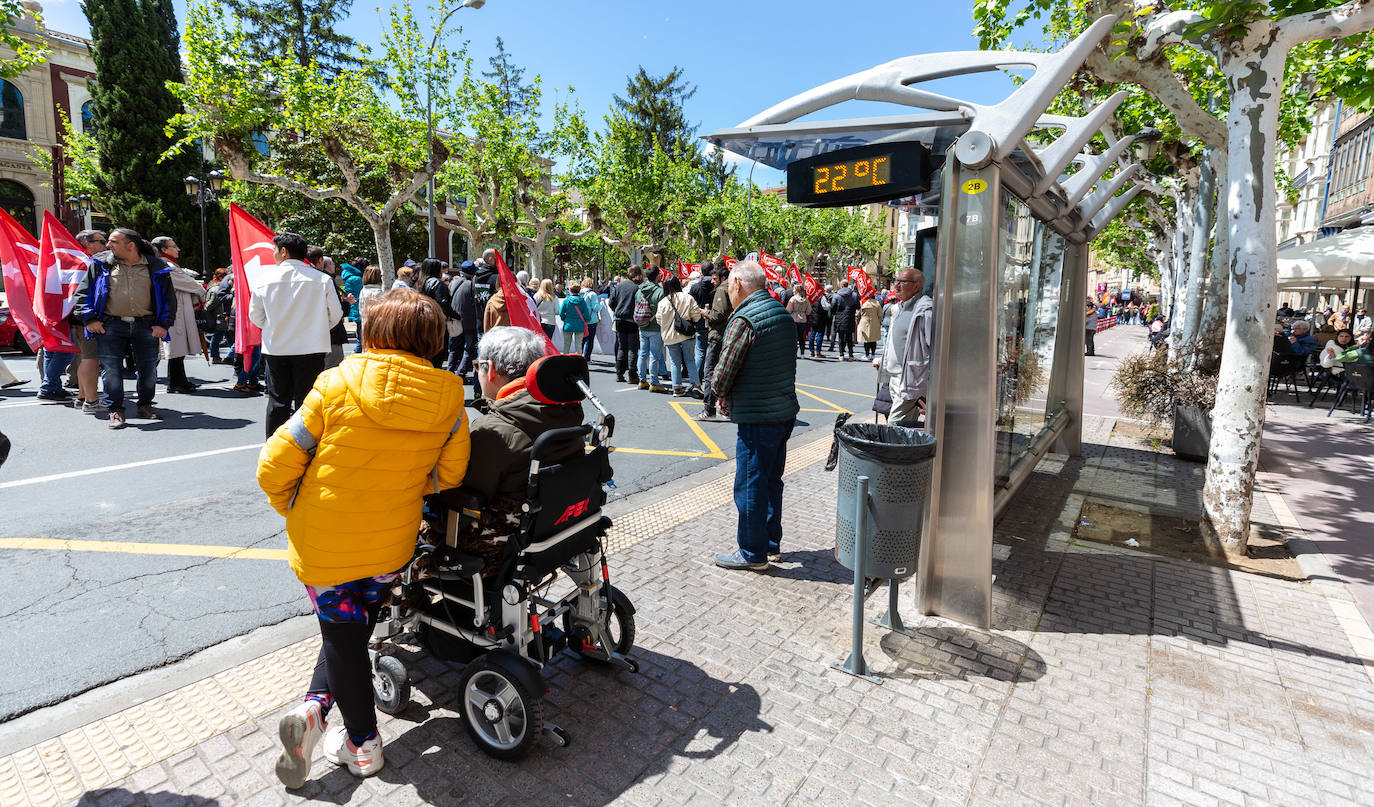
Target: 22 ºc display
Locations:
point(852, 174)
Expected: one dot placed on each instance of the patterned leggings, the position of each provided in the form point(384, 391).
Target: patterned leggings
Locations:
point(343, 671)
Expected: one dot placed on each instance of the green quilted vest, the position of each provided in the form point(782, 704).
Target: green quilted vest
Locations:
point(765, 390)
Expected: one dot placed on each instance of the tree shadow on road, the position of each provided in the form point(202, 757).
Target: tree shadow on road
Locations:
point(119, 797)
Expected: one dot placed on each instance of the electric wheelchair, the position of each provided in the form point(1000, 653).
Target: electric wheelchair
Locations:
point(503, 623)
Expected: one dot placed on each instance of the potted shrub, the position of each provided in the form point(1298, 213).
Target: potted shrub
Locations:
point(1181, 392)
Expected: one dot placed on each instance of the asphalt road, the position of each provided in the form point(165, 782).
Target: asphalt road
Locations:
point(79, 617)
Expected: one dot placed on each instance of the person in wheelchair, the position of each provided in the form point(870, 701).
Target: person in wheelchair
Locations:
point(349, 471)
point(502, 438)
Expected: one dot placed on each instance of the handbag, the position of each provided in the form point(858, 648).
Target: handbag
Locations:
point(681, 324)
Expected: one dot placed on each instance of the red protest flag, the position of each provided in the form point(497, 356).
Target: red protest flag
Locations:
point(61, 265)
point(729, 261)
point(519, 307)
point(770, 266)
point(814, 290)
point(250, 250)
point(685, 270)
point(19, 258)
point(794, 277)
point(861, 282)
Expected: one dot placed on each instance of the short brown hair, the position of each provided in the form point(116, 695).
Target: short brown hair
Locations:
point(372, 275)
point(220, 273)
point(403, 319)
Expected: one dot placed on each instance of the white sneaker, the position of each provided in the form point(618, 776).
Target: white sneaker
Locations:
point(299, 730)
point(361, 761)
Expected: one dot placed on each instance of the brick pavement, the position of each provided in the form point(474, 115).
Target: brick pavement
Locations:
point(1110, 677)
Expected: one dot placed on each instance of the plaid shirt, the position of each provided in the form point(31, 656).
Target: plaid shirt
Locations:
point(739, 335)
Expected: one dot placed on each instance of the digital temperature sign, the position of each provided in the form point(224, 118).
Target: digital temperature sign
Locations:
point(859, 175)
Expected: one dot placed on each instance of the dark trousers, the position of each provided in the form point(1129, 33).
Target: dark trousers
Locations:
point(468, 364)
point(176, 372)
point(344, 671)
point(846, 341)
point(712, 359)
point(870, 349)
point(817, 340)
point(289, 379)
point(626, 347)
point(118, 339)
point(1088, 335)
point(802, 329)
point(456, 347)
point(760, 459)
point(589, 342)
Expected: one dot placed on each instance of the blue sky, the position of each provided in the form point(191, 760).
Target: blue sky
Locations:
point(743, 56)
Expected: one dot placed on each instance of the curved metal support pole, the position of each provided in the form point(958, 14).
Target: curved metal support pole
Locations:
point(1093, 167)
point(1098, 200)
point(1077, 132)
point(1112, 210)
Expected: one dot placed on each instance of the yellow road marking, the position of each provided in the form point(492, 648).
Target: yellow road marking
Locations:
point(832, 389)
point(144, 548)
point(715, 452)
point(837, 408)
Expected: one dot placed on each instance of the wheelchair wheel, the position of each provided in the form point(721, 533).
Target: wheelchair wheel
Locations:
point(620, 629)
point(502, 714)
point(390, 685)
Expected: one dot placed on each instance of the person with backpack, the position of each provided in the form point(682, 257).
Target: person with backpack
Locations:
point(677, 315)
point(623, 296)
point(573, 311)
point(647, 298)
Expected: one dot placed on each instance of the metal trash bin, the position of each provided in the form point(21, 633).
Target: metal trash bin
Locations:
point(898, 461)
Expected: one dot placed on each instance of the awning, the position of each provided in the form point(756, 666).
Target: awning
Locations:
point(1333, 261)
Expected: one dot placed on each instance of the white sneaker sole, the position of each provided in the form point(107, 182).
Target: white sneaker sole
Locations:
point(293, 766)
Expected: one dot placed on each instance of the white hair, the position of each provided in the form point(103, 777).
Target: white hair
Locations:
point(511, 350)
point(749, 274)
point(523, 277)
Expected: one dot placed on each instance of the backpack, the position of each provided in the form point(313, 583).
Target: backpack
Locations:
point(644, 315)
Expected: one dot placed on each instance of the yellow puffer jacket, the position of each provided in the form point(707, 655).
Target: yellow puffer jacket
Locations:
point(377, 425)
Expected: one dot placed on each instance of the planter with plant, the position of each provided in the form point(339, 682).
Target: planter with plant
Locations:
point(1180, 392)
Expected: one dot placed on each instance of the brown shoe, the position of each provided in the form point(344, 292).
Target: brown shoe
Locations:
point(116, 420)
point(148, 413)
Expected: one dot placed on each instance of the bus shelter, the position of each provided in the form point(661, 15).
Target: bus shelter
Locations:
point(1021, 195)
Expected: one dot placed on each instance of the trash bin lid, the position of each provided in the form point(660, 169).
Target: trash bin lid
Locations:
point(880, 442)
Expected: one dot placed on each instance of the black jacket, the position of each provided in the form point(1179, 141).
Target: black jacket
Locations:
point(623, 301)
point(434, 289)
point(460, 298)
point(844, 307)
point(484, 286)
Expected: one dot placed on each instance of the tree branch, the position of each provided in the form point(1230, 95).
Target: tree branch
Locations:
point(1346, 20)
point(241, 170)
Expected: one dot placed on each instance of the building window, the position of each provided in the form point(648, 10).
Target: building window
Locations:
point(17, 201)
point(88, 124)
point(12, 112)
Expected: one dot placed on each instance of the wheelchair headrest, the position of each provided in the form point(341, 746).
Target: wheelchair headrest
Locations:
point(553, 379)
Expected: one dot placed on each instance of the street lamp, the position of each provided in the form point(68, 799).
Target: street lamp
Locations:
point(429, 114)
point(201, 194)
point(80, 206)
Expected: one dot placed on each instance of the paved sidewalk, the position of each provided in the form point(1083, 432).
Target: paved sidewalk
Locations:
point(1111, 677)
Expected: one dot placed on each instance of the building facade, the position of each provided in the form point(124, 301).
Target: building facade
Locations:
point(32, 106)
point(1300, 218)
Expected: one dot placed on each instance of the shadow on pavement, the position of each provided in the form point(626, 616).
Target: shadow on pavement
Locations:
point(625, 728)
point(119, 797)
point(934, 652)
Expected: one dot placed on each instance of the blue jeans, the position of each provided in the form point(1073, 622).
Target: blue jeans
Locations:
point(252, 367)
point(816, 341)
point(650, 347)
point(54, 367)
point(678, 355)
point(218, 340)
point(117, 338)
point(702, 341)
point(760, 458)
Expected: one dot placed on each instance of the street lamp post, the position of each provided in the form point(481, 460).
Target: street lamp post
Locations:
point(201, 194)
point(80, 206)
point(429, 114)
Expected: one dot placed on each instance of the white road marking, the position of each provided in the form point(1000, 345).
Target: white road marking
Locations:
point(22, 403)
point(91, 471)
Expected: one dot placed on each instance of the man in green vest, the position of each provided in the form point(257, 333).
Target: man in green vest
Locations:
point(756, 381)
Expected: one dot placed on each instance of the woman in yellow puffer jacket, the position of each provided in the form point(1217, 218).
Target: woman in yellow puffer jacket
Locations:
point(349, 471)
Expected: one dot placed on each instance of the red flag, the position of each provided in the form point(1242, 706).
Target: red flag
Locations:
point(250, 249)
point(794, 277)
point(61, 265)
point(770, 266)
point(862, 283)
point(685, 270)
point(19, 257)
point(521, 316)
point(814, 290)
point(729, 261)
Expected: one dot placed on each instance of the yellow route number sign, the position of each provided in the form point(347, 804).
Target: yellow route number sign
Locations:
point(975, 186)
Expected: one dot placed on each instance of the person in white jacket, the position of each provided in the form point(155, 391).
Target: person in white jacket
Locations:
point(903, 363)
point(295, 305)
point(678, 344)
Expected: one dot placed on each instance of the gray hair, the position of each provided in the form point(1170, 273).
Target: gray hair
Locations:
point(522, 277)
point(161, 242)
point(86, 235)
point(1301, 326)
point(511, 350)
point(749, 274)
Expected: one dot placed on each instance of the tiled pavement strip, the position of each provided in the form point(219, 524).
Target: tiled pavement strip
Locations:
point(1111, 677)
